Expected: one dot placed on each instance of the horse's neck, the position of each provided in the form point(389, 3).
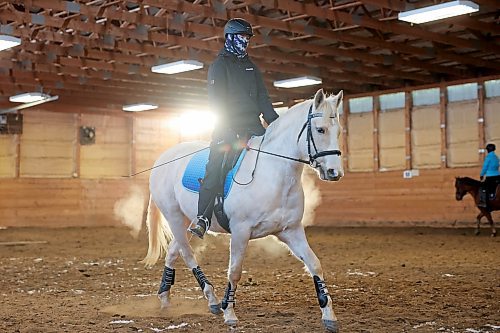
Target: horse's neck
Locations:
point(282, 137)
point(473, 190)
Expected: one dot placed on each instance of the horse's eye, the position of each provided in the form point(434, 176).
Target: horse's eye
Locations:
point(320, 130)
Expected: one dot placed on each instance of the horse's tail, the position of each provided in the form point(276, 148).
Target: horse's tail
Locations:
point(159, 234)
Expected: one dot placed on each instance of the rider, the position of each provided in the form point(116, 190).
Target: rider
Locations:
point(236, 92)
point(490, 174)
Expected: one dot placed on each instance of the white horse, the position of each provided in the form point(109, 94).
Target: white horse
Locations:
point(271, 204)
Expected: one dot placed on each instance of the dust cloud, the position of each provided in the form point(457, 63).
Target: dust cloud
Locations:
point(130, 210)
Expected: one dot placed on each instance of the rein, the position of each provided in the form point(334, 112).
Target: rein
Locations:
point(310, 139)
point(159, 165)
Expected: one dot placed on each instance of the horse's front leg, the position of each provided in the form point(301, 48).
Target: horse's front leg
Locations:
point(492, 224)
point(478, 219)
point(296, 240)
point(168, 278)
point(239, 243)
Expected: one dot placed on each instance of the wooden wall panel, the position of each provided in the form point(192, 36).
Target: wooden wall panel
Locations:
point(8, 155)
point(462, 134)
point(47, 144)
point(152, 137)
point(492, 121)
point(426, 137)
point(392, 141)
point(387, 199)
point(360, 141)
point(374, 199)
point(49, 202)
point(110, 156)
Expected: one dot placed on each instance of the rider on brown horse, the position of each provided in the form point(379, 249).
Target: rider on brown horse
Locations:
point(491, 177)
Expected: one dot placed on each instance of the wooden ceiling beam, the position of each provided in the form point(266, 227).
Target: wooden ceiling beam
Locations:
point(464, 21)
point(299, 60)
point(313, 10)
point(209, 30)
point(114, 67)
point(267, 22)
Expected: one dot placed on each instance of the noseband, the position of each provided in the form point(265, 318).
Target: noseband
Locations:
point(310, 140)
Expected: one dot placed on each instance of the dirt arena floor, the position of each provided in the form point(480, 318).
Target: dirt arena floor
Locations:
point(381, 280)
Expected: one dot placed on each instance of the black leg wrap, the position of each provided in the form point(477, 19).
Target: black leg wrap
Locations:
point(167, 279)
point(228, 297)
point(200, 277)
point(321, 291)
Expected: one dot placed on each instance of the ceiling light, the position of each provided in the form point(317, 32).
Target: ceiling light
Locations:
point(177, 67)
point(6, 42)
point(28, 97)
point(139, 107)
point(438, 12)
point(298, 82)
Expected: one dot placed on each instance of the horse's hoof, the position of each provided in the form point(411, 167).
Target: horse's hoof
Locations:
point(331, 325)
point(215, 309)
point(476, 232)
point(493, 234)
point(231, 322)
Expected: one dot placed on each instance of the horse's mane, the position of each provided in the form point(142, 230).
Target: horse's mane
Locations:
point(469, 181)
point(286, 116)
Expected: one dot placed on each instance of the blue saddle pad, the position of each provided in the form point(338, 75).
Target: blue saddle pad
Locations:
point(195, 170)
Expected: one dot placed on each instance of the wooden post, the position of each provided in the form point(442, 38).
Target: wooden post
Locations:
point(345, 132)
point(408, 143)
point(376, 108)
point(76, 169)
point(480, 121)
point(133, 146)
point(18, 154)
point(443, 98)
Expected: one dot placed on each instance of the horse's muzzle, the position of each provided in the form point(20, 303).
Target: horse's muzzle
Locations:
point(458, 196)
point(333, 175)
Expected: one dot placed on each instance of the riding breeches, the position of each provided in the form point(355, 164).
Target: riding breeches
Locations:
point(220, 160)
point(490, 184)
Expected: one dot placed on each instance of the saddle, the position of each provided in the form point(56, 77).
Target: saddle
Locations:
point(195, 172)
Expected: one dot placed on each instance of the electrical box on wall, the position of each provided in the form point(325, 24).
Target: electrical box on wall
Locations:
point(87, 135)
point(11, 124)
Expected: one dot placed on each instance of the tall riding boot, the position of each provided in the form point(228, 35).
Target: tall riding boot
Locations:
point(482, 198)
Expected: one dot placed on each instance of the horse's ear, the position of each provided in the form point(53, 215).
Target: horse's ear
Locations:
point(319, 98)
point(339, 97)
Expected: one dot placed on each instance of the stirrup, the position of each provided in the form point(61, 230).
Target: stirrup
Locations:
point(201, 227)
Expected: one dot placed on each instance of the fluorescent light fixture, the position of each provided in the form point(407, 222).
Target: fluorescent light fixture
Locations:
point(28, 97)
point(6, 42)
point(298, 82)
point(139, 107)
point(177, 67)
point(438, 12)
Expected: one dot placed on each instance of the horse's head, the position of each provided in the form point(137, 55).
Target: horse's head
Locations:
point(323, 131)
point(459, 189)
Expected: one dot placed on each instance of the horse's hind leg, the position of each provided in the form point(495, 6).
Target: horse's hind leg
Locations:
point(168, 277)
point(186, 251)
point(296, 240)
point(492, 224)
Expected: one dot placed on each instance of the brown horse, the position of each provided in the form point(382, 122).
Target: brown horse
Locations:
point(468, 185)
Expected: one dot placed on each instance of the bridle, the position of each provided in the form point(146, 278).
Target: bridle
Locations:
point(310, 140)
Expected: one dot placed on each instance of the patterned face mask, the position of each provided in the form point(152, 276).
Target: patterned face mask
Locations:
point(237, 44)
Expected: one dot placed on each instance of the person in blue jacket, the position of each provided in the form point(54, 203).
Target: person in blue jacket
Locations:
point(237, 94)
point(489, 175)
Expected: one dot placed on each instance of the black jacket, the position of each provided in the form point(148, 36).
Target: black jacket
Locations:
point(236, 92)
